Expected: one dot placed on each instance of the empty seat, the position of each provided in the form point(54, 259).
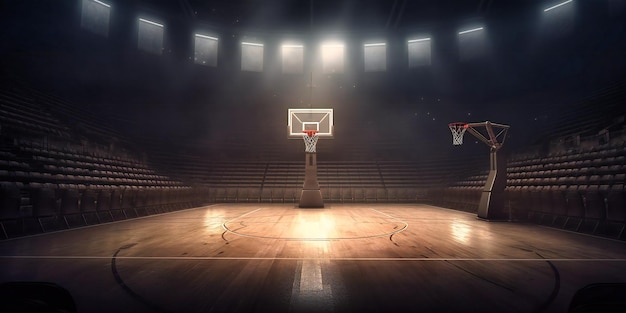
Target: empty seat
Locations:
point(409, 195)
point(241, 194)
point(435, 196)
point(9, 208)
point(615, 204)
point(325, 194)
point(335, 194)
point(70, 209)
point(254, 195)
point(88, 202)
point(104, 205)
point(392, 195)
point(358, 194)
point(558, 202)
point(291, 194)
point(278, 195)
point(266, 195)
point(595, 209)
point(116, 204)
point(575, 206)
point(381, 195)
point(220, 195)
point(140, 204)
point(128, 202)
point(231, 195)
point(9, 200)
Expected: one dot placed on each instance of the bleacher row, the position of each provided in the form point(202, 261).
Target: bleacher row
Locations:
point(598, 166)
point(329, 194)
point(330, 174)
point(29, 164)
point(21, 112)
point(60, 186)
point(35, 208)
point(340, 181)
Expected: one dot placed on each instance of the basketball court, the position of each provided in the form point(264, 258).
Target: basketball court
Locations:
point(341, 258)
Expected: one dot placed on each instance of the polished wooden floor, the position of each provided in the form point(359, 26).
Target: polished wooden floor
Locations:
point(343, 258)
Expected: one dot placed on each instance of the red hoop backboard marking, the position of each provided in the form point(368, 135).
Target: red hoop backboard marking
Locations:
point(310, 132)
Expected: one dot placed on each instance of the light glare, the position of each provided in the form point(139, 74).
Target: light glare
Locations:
point(470, 30)
point(375, 57)
point(375, 44)
point(102, 3)
point(251, 44)
point(150, 22)
point(556, 6)
point(292, 58)
point(332, 57)
point(418, 40)
point(419, 52)
point(206, 37)
point(252, 56)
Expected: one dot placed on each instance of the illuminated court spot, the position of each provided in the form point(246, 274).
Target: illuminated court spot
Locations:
point(306, 224)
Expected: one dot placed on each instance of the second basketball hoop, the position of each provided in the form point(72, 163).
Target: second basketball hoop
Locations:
point(458, 130)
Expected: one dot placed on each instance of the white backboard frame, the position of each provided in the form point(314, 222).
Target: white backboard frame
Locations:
point(310, 119)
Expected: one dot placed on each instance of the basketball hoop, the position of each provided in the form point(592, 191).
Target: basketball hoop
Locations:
point(310, 140)
point(457, 129)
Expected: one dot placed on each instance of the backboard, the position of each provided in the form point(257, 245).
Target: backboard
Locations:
point(300, 120)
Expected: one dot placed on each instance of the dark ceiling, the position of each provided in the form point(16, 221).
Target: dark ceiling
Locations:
point(303, 15)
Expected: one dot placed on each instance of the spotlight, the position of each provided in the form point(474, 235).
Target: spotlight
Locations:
point(556, 6)
point(102, 3)
point(470, 30)
point(151, 22)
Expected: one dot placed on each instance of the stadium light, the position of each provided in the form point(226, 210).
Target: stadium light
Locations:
point(252, 56)
point(292, 55)
point(470, 30)
point(418, 40)
point(374, 44)
point(205, 50)
point(206, 37)
point(150, 22)
point(419, 53)
point(102, 3)
point(375, 56)
point(557, 5)
point(333, 57)
point(251, 44)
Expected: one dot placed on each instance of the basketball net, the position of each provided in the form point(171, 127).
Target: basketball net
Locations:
point(310, 140)
point(457, 129)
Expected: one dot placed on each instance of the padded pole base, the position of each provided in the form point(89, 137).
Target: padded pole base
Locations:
point(491, 206)
point(311, 199)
